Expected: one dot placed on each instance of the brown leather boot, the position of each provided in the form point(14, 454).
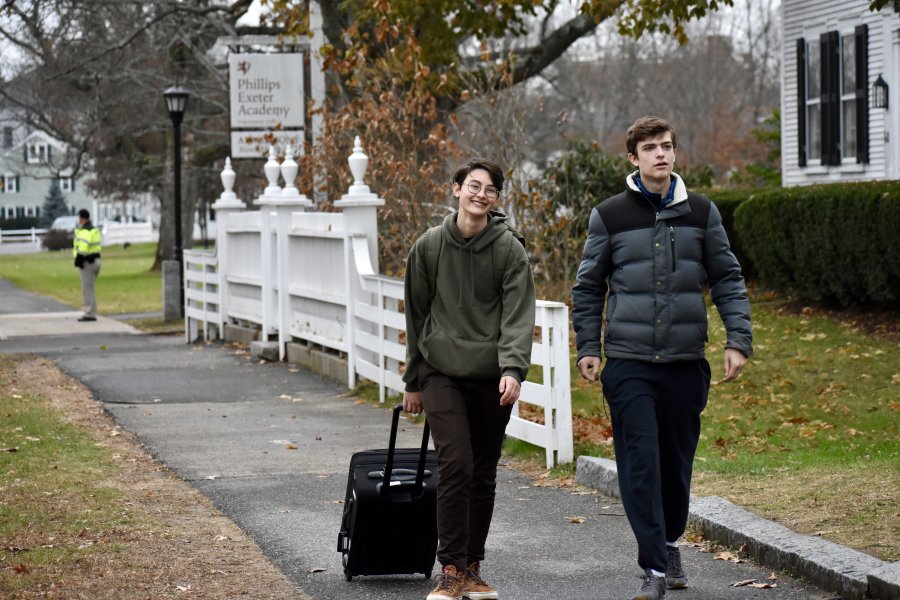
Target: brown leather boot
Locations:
point(449, 585)
point(476, 588)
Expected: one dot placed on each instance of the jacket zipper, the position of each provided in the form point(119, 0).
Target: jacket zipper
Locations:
point(672, 238)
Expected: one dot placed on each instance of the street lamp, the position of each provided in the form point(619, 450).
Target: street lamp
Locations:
point(176, 101)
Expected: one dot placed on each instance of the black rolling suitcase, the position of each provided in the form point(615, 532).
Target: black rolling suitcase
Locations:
point(389, 525)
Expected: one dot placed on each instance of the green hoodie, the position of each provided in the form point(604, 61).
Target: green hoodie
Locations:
point(469, 328)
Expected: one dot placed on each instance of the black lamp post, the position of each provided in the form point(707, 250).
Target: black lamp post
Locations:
point(176, 101)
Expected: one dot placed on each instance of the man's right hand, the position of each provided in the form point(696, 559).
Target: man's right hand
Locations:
point(590, 367)
point(412, 402)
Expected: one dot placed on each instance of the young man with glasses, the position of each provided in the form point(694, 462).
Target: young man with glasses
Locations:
point(470, 307)
point(654, 249)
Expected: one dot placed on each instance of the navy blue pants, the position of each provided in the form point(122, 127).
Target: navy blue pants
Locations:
point(655, 409)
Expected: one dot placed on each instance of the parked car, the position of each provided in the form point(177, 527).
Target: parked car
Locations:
point(65, 223)
point(61, 234)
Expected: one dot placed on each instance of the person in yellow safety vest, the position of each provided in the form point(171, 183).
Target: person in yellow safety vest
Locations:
point(87, 259)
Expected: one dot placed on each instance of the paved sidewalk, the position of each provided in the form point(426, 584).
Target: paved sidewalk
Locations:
point(225, 423)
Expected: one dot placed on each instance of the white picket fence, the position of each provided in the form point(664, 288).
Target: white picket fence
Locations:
point(30, 236)
point(299, 275)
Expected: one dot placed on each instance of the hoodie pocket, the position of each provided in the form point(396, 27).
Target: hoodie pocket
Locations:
point(459, 357)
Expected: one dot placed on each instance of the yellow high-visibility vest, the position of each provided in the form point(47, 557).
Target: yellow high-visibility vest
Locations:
point(87, 240)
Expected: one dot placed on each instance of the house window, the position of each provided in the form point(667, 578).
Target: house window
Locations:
point(66, 184)
point(9, 212)
point(9, 184)
point(38, 152)
point(31, 211)
point(7, 137)
point(813, 102)
point(833, 101)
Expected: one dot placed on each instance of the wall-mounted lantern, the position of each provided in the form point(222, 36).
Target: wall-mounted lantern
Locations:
point(880, 93)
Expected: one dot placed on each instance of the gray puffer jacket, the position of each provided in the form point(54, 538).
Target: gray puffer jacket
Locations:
point(655, 266)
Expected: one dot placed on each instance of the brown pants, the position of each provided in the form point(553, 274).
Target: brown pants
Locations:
point(467, 425)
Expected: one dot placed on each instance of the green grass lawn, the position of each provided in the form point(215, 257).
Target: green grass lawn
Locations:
point(809, 435)
point(125, 285)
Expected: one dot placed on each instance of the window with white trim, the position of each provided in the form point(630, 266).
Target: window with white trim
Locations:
point(66, 184)
point(813, 102)
point(38, 153)
point(848, 97)
point(833, 100)
point(9, 184)
point(9, 212)
point(31, 211)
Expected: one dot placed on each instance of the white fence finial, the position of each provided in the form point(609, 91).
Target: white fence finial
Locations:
point(358, 162)
point(273, 170)
point(228, 178)
point(289, 174)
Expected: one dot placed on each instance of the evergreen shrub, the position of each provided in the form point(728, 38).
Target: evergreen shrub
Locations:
point(836, 243)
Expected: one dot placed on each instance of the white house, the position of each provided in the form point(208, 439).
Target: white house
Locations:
point(29, 164)
point(840, 91)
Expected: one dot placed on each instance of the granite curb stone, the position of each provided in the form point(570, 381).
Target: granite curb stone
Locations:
point(853, 574)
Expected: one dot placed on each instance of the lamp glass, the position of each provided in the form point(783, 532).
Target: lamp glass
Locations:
point(176, 99)
point(880, 93)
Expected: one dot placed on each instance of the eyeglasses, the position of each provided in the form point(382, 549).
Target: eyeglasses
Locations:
point(490, 192)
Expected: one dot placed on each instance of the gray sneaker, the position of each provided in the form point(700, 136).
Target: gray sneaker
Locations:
point(652, 588)
point(675, 577)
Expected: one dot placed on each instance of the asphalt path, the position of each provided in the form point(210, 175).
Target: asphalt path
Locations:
point(270, 444)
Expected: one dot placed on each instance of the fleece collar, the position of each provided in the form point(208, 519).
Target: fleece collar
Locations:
point(678, 195)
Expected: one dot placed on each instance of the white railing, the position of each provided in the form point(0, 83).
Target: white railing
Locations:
point(31, 236)
point(132, 233)
point(310, 276)
point(201, 295)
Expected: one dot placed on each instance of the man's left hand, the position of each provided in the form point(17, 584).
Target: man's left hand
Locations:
point(509, 390)
point(734, 364)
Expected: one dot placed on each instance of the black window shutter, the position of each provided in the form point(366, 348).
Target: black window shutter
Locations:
point(18, 189)
point(48, 153)
point(71, 184)
point(862, 94)
point(801, 101)
point(829, 44)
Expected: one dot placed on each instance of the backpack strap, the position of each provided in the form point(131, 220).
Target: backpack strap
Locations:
point(502, 249)
point(434, 241)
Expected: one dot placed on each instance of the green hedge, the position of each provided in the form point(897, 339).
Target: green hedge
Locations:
point(727, 201)
point(828, 243)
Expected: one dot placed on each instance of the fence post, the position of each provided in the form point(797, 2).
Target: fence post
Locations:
point(227, 204)
point(360, 208)
point(291, 200)
point(268, 267)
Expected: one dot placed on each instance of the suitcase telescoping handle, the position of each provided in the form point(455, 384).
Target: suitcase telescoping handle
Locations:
point(389, 467)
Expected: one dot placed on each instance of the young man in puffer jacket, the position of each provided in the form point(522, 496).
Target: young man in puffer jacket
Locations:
point(470, 307)
point(653, 248)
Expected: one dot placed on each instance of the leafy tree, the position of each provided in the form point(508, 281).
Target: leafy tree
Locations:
point(54, 205)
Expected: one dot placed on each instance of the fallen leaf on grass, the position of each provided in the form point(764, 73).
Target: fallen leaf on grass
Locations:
point(316, 570)
point(742, 583)
point(10, 450)
point(21, 568)
point(773, 576)
point(221, 538)
point(291, 447)
point(576, 519)
point(183, 588)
